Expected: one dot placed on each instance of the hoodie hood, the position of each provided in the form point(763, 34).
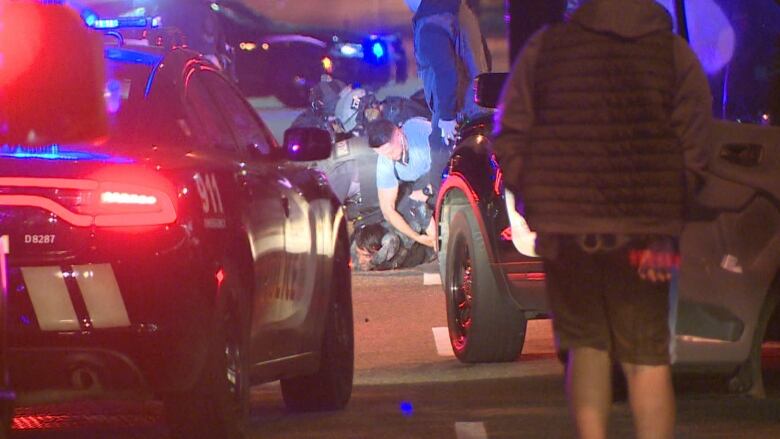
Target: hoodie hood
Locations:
point(433, 7)
point(625, 18)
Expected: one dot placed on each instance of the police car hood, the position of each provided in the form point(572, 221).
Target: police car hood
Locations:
point(625, 18)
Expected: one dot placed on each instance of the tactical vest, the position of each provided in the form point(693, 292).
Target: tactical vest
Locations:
point(603, 156)
point(363, 207)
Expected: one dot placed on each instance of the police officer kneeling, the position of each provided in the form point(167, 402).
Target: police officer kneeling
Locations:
point(405, 156)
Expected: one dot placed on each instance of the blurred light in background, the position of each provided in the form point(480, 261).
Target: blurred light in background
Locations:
point(247, 45)
point(712, 35)
point(16, 58)
point(327, 65)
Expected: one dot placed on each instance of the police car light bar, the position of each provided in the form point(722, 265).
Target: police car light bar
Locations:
point(93, 21)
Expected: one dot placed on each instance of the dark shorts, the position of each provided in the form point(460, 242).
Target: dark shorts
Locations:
point(598, 300)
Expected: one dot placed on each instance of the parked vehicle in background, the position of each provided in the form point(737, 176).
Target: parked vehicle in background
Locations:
point(286, 60)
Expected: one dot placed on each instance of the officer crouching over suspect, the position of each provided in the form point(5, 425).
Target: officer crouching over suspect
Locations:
point(405, 156)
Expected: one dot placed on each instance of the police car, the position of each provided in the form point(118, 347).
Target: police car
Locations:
point(185, 258)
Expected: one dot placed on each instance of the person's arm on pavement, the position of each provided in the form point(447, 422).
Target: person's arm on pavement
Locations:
point(387, 198)
point(515, 114)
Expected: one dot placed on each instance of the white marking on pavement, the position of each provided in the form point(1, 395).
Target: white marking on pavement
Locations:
point(102, 295)
point(431, 279)
point(50, 299)
point(441, 336)
point(470, 430)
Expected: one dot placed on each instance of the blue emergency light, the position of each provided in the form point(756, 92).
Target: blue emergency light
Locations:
point(378, 49)
point(131, 56)
point(105, 24)
point(56, 152)
point(375, 50)
point(91, 19)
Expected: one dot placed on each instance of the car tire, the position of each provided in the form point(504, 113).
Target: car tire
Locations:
point(330, 387)
point(484, 325)
point(748, 378)
point(217, 406)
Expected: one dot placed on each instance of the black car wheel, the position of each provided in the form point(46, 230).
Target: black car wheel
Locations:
point(330, 388)
point(484, 325)
point(218, 404)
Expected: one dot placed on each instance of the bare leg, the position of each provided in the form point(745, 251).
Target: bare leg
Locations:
point(590, 394)
point(651, 395)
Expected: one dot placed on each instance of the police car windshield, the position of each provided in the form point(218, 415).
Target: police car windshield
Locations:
point(140, 111)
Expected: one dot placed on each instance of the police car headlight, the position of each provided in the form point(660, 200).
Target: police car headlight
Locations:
point(347, 50)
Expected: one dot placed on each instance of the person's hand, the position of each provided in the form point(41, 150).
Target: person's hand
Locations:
point(657, 262)
point(418, 195)
point(426, 240)
point(431, 231)
point(448, 128)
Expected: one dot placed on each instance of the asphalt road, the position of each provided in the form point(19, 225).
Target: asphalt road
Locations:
point(409, 386)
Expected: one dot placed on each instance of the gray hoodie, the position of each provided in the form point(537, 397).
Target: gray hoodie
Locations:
point(625, 19)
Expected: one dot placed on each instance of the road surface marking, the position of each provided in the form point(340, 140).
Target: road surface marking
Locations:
point(470, 430)
point(431, 279)
point(441, 336)
point(50, 299)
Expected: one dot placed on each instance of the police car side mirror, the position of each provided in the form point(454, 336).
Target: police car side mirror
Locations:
point(52, 76)
point(307, 144)
point(488, 88)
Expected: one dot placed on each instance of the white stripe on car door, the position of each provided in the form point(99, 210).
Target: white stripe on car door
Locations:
point(50, 299)
point(101, 295)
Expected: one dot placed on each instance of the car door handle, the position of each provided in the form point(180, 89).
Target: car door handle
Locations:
point(286, 206)
point(742, 154)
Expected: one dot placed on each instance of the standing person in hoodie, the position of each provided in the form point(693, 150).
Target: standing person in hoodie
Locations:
point(450, 52)
point(601, 132)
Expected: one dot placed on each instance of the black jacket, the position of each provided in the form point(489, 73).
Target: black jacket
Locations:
point(581, 145)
